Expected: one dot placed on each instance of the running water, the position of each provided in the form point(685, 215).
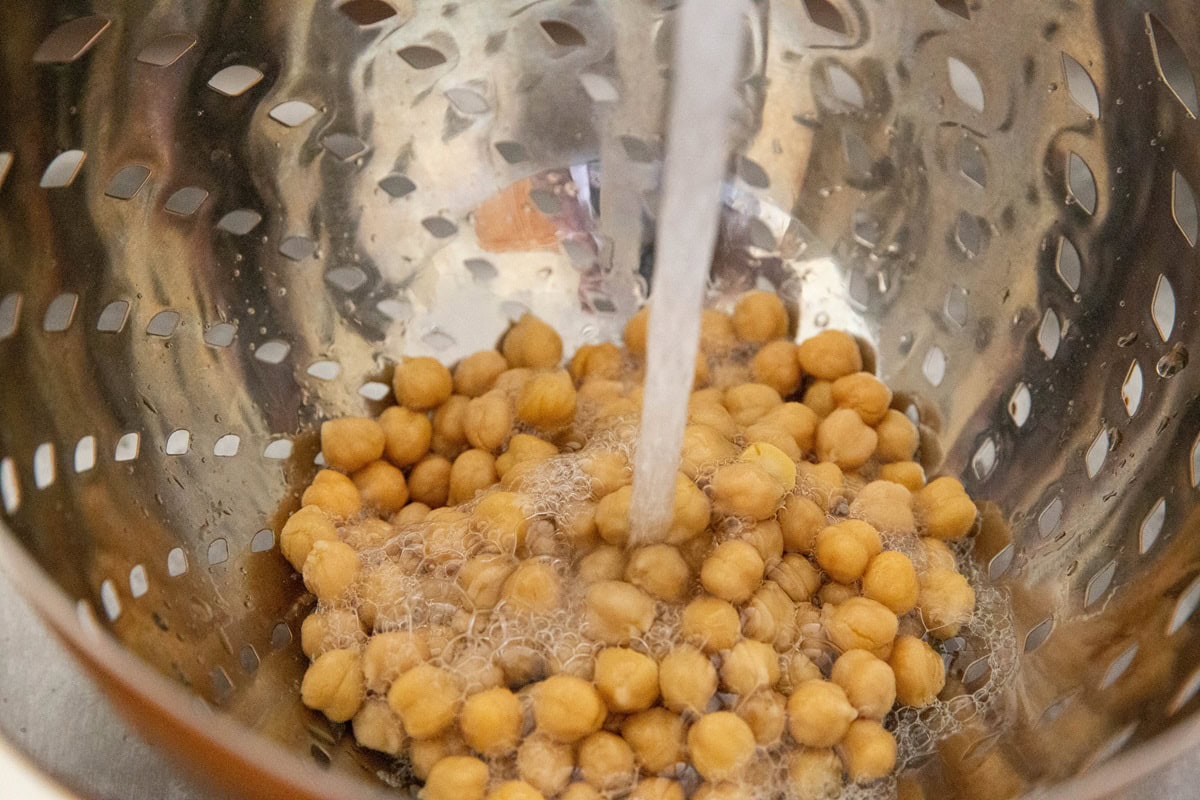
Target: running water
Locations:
point(707, 54)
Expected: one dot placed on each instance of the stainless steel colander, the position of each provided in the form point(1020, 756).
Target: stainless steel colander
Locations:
point(221, 221)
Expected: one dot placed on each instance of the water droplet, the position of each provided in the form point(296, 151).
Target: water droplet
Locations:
point(1173, 362)
point(821, 320)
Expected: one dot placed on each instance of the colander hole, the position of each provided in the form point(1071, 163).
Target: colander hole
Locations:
point(1097, 453)
point(1055, 710)
point(1131, 388)
point(1049, 334)
point(546, 201)
point(971, 162)
point(166, 50)
point(958, 7)
point(374, 390)
point(1185, 606)
point(319, 756)
point(10, 489)
point(367, 12)
point(163, 324)
point(1194, 463)
point(297, 248)
point(1162, 308)
point(934, 366)
point(63, 169)
point(126, 184)
point(438, 340)
point(825, 14)
point(220, 335)
point(139, 584)
point(439, 227)
point(983, 463)
point(1113, 746)
point(752, 173)
point(240, 221)
point(128, 447)
point(278, 450)
point(227, 446)
point(1038, 635)
point(1183, 208)
point(85, 454)
point(844, 87)
point(324, 370)
point(178, 443)
point(514, 152)
point(966, 84)
point(69, 41)
point(1119, 666)
point(1020, 405)
point(421, 57)
point(43, 465)
point(10, 315)
point(468, 101)
point(563, 33)
point(969, 234)
point(1152, 526)
point(599, 88)
point(1080, 86)
point(281, 636)
point(344, 146)
point(273, 351)
point(248, 659)
point(1001, 562)
point(1172, 65)
point(186, 201)
point(109, 600)
point(395, 310)
point(177, 562)
point(263, 541)
point(293, 113)
point(6, 161)
point(398, 185)
point(1099, 583)
point(1050, 517)
point(218, 552)
point(113, 318)
point(235, 80)
point(1068, 265)
point(1081, 183)
point(222, 685)
point(60, 313)
point(1186, 693)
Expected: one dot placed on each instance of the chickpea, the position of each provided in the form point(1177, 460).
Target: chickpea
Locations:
point(597, 362)
point(429, 481)
point(938, 555)
point(614, 411)
point(426, 698)
point(704, 447)
point(612, 516)
point(476, 374)
point(844, 550)
point(711, 624)
point(891, 580)
point(844, 439)
point(861, 623)
point(580, 791)
point(798, 420)
point(747, 489)
point(691, 511)
point(869, 683)
point(411, 514)
point(833, 593)
point(608, 472)
point(819, 714)
point(548, 401)
point(770, 616)
point(330, 629)
point(381, 593)
point(487, 420)
point(615, 611)
point(797, 577)
point(830, 355)
point(822, 483)
point(491, 721)
point(868, 751)
point(605, 563)
point(456, 778)
point(567, 708)
point(775, 364)
point(657, 789)
point(521, 448)
point(946, 601)
point(908, 474)
point(716, 331)
point(775, 436)
point(886, 506)
point(422, 383)
point(945, 509)
point(660, 571)
point(819, 397)
point(898, 437)
point(512, 381)
point(814, 774)
point(351, 443)
point(687, 679)
point(381, 487)
point(503, 519)
point(733, 572)
point(333, 493)
point(760, 317)
point(864, 393)
point(656, 737)
point(767, 538)
point(330, 569)
point(722, 791)
point(515, 790)
point(721, 746)
point(800, 520)
point(533, 588)
point(472, 472)
point(919, 671)
point(532, 343)
point(750, 402)
point(377, 728)
point(305, 527)
point(333, 685)
point(777, 463)
point(800, 668)
point(750, 666)
point(713, 414)
point(605, 761)
point(407, 435)
point(423, 754)
point(766, 714)
point(636, 332)
point(626, 679)
point(387, 656)
point(449, 426)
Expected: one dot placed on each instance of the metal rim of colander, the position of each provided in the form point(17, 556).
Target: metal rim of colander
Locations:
point(107, 656)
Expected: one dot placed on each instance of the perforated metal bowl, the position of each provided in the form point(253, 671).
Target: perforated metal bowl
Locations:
point(219, 222)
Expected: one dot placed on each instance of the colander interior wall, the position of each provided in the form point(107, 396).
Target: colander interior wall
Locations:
point(221, 222)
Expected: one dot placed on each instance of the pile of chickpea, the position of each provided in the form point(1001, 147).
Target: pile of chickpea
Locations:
point(754, 649)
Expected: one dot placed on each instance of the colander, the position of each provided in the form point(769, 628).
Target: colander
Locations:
point(220, 222)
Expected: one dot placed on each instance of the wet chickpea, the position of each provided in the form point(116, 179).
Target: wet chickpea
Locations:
point(472, 472)
point(760, 317)
point(886, 506)
point(733, 572)
point(721, 746)
point(597, 362)
point(330, 569)
point(657, 738)
point(387, 656)
point(908, 474)
point(800, 520)
point(533, 588)
point(532, 343)
point(770, 616)
point(766, 714)
point(868, 751)
point(657, 789)
point(377, 728)
point(381, 487)
point(710, 623)
point(747, 489)
point(937, 555)
point(456, 778)
point(823, 483)
point(767, 538)
point(861, 623)
point(722, 791)
point(626, 679)
point(800, 668)
point(605, 563)
point(778, 464)
point(482, 579)
point(891, 579)
point(750, 666)
point(691, 511)
point(830, 355)
point(512, 381)
point(844, 550)
point(545, 763)
point(798, 420)
point(615, 611)
point(814, 773)
point(819, 714)
point(865, 394)
point(429, 481)
point(330, 629)
point(491, 720)
point(819, 397)
point(449, 431)
point(637, 331)
point(351, 443)
point(333, 685)
point(304, 528)
point(687, 679)
point(333, 493)
point(660, 571)
point(833, 593)
point(476, 374)
point(605, 761)
point(612, 516)
point(578, 524)
point(844, 439)
point(407, 435)
point(797, 577)
point(747, 403)
point(704, 447)
point(607, 472)
point(869, 683)
point(945, 509)
point(423, 754)
point(422, 383)
point(502, 518)
point(487, 420)
point(580, 791)
point(412, 513)
point(714, 415)
point(567, 708)
point(515, 790)
point(898, 437)
point(775, 364)
point(521, 448)
point(716, 331)
point(777, 437)
point(548, 401)
point(919, 672)
point(426, 698)
point(946, 601)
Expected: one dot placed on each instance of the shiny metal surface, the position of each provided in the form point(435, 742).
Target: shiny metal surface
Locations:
point(229, 219)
